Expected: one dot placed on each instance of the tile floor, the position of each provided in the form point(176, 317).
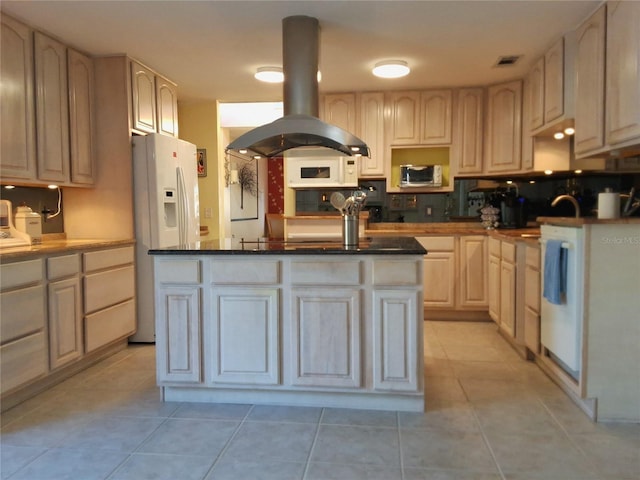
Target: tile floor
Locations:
point(489, 415)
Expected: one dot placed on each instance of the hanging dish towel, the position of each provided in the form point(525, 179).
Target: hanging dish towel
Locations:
point(555, 272)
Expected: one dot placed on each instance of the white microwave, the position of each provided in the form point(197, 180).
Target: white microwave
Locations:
point(420, 175)
point(322, 172)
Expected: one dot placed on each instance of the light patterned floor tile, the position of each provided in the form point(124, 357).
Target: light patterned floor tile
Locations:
point(357, 445)
point(267, 470)
point(334, 471)
point(163, 467)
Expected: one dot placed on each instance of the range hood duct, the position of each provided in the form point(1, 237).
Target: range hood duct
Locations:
point(300, 125)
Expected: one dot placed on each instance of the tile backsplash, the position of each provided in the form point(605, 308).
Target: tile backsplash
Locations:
point(39, 200)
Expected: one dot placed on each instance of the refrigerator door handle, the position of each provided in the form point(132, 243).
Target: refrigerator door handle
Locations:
point(182, 206)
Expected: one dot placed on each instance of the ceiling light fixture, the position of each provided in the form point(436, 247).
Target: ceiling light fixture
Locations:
point(558, 135)
point(270, 74)
point(391, 69)
point(569, 131)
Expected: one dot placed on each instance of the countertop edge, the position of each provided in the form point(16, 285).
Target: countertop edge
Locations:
point(60, 246)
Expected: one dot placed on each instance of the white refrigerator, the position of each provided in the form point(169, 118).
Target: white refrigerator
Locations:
point(166, 211)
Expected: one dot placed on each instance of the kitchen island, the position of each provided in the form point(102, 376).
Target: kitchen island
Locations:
point(293, 323)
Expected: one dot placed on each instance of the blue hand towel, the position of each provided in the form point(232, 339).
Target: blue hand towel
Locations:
point(555, 272)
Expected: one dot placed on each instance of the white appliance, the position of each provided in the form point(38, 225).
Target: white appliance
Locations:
point(10, 236)
point(166, 211)
point(420, 175)
point(319, 168)
point(561, 325)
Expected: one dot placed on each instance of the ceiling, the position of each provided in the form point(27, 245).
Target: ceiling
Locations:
point(212, 48)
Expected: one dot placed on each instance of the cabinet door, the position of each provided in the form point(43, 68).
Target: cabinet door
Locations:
point(467, 147)
point(623, 72)
point(167, 105)
point(439, 279)
point(371, 131)
point(536, 97)
point(81, 117)
point(340, 110)
point(532, 330)
point(178, 327)
point(65, 322)
point(527, 138)
point(246, 336)
point(494, 288)
point(325, 337)
point(435, 117)
point(554, 82)
point(18, 151)
point(22, 361)
point(395, 342)
point(405, 120)
point(589, 86)
point(504, 127)
point(532, 308)
point(472, 274)
point(508, 297)
point(52, 109)
point(143, 92)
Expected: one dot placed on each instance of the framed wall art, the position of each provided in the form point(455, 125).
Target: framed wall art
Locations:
point(202, 162)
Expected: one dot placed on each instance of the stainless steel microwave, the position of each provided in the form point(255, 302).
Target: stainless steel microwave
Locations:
point(420, 175)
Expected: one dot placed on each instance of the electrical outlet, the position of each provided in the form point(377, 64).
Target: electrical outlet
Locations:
point(428, 211)
point(208, 213)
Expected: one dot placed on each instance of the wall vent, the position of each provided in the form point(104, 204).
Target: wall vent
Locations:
point(507, 60)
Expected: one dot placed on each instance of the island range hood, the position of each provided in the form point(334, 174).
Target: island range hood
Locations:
point(300, 125)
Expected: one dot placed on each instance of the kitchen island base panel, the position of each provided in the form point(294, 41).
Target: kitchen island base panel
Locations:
point(368, 401)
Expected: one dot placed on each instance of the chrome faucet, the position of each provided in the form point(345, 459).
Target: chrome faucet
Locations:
point(559, 198)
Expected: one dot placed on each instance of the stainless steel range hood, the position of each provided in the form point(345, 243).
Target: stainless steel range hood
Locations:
point(300, 125)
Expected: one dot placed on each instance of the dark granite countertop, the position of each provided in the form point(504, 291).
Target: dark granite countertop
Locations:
point(260, 246)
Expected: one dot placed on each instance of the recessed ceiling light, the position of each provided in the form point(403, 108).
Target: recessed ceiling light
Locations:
point(569, 131)
point(270, 74)
point(391, 69)
point(558, 135)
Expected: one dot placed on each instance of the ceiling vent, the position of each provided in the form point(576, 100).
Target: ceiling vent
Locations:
point(507, 60)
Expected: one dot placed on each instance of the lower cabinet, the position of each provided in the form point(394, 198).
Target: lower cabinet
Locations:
point(532, 299)
point(245, 333)
point(65, 322)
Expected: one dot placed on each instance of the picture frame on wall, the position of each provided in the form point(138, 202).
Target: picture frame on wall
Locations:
point(202, 162)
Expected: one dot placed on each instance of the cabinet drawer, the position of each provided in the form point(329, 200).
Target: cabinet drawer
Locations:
point(508, 252)
point(177, 271)
point(397, 272)
point(252, 272)
point(532, 257)
point(495, 247)
point(532, 288)
point(110, 324)
point(108, 288)
point(22, 361)
point(21, 312)
point(65, 266)
point(437, 243)
point(108, 258)
point(326, 273)
point(20, 273)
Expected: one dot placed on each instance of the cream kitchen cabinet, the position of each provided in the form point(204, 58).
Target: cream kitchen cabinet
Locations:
point(18, 150)
point(371, 131)
point(455, 274)
point(589, 87)
point(493, 276)
point(339, 109)
point(466, 150)
point(504, 129)
point(420, 118)
point(154, 102)
point(532, 299)
point(81, 133)
point(508, 288)
point(65, 310)
point(23, 334)
point(109, 296)
point(554, 82)
point(536, 95)
point(622, 120)
point(178, 306)
point(52, 109)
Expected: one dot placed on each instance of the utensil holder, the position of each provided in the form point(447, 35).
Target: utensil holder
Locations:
point(350, 227)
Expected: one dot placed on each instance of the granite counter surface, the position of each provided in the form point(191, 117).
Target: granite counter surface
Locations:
point(59, 245)
point(367, 246)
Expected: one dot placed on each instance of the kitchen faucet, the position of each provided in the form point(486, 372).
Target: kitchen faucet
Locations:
point(559, 198)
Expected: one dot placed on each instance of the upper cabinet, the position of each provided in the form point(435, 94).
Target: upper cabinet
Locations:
point(535, 103)
point(607, 79)
point(589, 88)
point(52, 109)
point(371, 131)
point(504, 123)
point(554, 85)
point(420, 118)
point(466, 149)
point(340, 110)
point(154, 105)
point(622, 124)
point(16, 96)
point(47, 96)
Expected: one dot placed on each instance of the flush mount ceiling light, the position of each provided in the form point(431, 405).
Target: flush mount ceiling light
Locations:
point(391, 69)
point(270, 74)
